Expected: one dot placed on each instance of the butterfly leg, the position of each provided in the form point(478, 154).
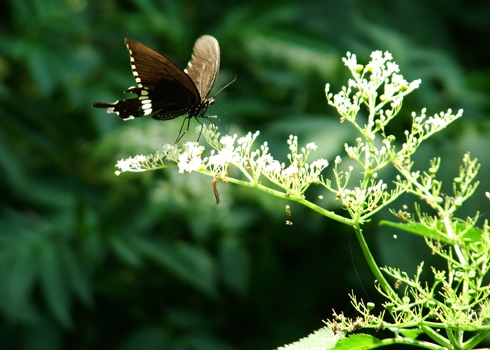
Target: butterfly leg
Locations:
point(182, 132)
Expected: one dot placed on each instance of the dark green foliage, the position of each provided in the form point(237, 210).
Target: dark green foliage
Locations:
point(89, 260)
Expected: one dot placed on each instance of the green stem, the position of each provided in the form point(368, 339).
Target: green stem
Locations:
point(472, 342)
point(436, 336)
point(324, 212)
point(408, 341)
point(454, 339)
point(284, 195)
point(374, 267)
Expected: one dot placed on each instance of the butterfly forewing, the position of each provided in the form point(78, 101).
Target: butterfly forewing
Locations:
point(152, 70)
point(203, 67)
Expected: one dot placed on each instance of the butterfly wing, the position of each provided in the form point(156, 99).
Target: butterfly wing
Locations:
point(163, 89)
point(203, 67)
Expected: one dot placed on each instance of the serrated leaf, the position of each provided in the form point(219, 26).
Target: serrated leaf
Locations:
point(358, 342)
point(321, 339)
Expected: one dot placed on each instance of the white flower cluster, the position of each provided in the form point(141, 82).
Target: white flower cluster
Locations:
point(380, 88)
point(294, 178)
point(138, 163)
point(188, 159)
point(365, 88)
point(225, 152)
point(423, 127)
point(365, 200)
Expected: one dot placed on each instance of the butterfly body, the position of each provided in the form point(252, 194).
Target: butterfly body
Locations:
point(164, 90)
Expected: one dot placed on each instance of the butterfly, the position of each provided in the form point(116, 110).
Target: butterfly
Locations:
point(164, 90)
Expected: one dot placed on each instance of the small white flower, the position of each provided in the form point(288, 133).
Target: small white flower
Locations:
point(319, 164)
point(228, 141)
point(311, 146)
point(190, 158)
point(377, 55)
point(290, 171)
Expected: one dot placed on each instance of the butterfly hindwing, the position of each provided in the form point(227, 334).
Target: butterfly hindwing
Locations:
point(203, 67)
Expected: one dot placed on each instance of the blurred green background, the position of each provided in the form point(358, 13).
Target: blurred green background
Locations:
point(89, 260)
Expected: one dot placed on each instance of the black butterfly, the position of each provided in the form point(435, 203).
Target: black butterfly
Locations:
point(164, 90)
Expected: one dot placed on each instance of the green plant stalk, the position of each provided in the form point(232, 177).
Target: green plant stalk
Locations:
point(287, 196)
point(372, 264)
point(472, 342)
point(435, 335)
point(455, 337)
point(409, 341)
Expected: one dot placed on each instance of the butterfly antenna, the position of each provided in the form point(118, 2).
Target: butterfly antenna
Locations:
point(220, 94)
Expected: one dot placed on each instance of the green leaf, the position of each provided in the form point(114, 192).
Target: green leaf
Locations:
point(46, 336)
point(77, 279)
point(321, 339)
point(418, 229)
point(187, 262)
point(149, 338)
point(205, 341)
point(411, 333)
point(123, 248)
point(235, 264)
point(19, 271)
point(358, 342)
point(473, 234)
point(53, 282)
